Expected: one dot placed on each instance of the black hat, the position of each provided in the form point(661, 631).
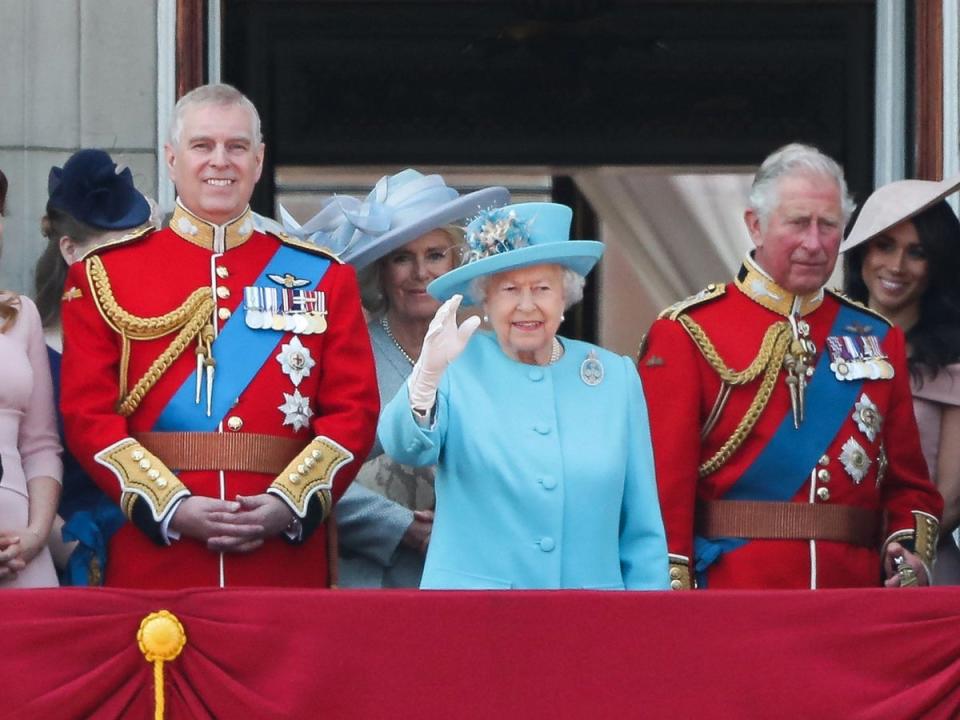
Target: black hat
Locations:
point(95, 190)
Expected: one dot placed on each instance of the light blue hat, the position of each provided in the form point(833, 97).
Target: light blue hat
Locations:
point(400, 208)
point(516, 236)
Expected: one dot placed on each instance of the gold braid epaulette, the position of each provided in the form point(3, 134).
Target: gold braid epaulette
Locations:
point(773, 348)
point(189, 318)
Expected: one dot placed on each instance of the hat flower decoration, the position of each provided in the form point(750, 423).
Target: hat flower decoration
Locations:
point(496, 231)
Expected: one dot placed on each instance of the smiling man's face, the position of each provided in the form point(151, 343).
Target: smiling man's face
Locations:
point(216, 161)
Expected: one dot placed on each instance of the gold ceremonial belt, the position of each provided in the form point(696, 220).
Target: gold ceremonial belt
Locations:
point(788, 521)
point(244, 452)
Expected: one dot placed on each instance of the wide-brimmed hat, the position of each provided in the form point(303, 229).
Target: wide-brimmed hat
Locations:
point(399, 209)
point(893, 203)
point(93, 189)
point(517, 236)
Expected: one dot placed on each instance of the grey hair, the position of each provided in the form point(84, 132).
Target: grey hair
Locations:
point(790, 160)
point(573, 283)
point(370, 280)
point(215, 94)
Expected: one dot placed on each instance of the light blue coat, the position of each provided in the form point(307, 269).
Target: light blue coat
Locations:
point(543, 481)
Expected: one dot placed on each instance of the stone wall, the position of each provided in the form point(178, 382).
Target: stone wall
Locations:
point(76, 73)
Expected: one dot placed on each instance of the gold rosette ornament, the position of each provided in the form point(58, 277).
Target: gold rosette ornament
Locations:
point(161, 638)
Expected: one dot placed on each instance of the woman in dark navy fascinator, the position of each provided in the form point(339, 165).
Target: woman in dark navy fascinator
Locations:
point(92, 201)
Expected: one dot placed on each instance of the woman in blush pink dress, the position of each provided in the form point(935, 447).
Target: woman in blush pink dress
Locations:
point(904, 262)
point(29, 448)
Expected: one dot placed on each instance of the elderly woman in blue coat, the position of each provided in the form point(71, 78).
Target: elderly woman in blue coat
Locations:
point(545, 470)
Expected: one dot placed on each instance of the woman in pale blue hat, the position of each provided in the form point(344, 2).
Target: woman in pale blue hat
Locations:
point(399, 238)
point(544, 466)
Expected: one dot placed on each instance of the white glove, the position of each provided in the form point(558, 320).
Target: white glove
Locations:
point(443, 342)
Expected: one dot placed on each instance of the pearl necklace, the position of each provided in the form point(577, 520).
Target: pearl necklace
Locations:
point(386, 328)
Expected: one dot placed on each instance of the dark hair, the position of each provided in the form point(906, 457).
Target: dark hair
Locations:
point(10, 304)
point(51, 270)
point(935, 339)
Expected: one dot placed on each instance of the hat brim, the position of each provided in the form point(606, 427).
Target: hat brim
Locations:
point(578, 255)
point(457, 209)
point(895, 203)
point(137, 215)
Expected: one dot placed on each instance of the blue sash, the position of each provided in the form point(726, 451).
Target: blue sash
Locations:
point(795, 449)
point(240, 353)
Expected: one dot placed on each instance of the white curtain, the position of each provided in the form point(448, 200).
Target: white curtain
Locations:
point(669, 233)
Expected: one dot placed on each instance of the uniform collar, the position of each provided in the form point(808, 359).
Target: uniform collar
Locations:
point(757, 285)
point(218, 238)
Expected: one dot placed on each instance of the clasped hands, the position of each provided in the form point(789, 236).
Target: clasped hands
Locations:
point(17, 548)
point(238, 526)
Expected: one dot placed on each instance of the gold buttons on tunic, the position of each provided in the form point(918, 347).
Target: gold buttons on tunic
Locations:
point(234, 423)
point(223, 314)
point(823, 493)
point(823, 476)
point(223, 292)
point(675, 585)
point(222, 272)
point(824, 460)
point(675, 573)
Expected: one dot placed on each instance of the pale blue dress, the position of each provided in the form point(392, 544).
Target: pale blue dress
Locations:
point(543, 480)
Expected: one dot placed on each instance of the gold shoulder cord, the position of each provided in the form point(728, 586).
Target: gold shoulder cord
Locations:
point(190, 318)
point(773, 348)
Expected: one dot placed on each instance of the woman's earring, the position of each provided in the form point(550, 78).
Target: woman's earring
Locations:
point(562, 317)
point(486, 319)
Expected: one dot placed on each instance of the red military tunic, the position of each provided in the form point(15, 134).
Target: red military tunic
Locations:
point(691, 419)
point(126, 312)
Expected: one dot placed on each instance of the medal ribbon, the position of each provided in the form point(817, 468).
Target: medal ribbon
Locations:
point(240, 352)
point(783, 466)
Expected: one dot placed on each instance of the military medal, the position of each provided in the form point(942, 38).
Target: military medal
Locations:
point(868, 418)
point(882, 464)
point(854, 460)
point(296, 410)
point(295, 360)
point(858, 358)
point(591, 369)
point(302, 312)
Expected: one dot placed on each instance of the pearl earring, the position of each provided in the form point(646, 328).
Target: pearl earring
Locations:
point(562, 317)
point(486, 319)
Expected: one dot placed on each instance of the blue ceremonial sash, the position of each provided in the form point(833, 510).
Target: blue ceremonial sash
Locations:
point(240, 352)
point(797, 449)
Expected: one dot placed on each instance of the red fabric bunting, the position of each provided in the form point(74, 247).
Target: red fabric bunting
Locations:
point(72, 653)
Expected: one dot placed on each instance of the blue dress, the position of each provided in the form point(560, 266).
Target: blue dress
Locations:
point(90, 516)
point(543, 480)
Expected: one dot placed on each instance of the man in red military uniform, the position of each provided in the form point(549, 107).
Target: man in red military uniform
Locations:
point(218, 381)
point(785, 445)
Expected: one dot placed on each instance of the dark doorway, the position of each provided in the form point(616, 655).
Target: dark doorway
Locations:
point(554, 82)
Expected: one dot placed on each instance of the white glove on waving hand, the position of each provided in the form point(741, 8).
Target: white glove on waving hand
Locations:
point(442, 344)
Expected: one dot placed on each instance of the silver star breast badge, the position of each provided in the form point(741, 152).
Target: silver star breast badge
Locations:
point(868, 418)
point(854, 460)
point(296, 410)
point(295, 360)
